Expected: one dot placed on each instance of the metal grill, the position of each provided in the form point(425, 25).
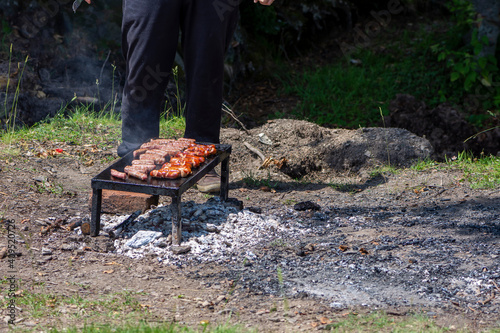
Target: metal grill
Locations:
point(167, 187)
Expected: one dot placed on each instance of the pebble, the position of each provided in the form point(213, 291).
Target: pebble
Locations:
point(143, 237)
point(220, 299)
point(46, 251)
point(180, 249)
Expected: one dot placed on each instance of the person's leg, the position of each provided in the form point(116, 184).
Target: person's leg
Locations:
point(207, 29)
point(150, 32)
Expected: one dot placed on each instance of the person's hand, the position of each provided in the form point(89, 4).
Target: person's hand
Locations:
point(264, 2)
point(87, 1)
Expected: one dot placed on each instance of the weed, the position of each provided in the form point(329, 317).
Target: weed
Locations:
point(11, 113)
point(253, 181)
point(423, 165)
point(482, 172)
point(47, 187)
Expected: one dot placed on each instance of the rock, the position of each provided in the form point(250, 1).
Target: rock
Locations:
point(67, 247)
point(46, 251)
point(211, 227)
point(180, 249)
point(163, 242)
point(114, 202)
point(41, 179)
point(300, 253)
point(306, 205)
point(238, 204)
point(205, 304)
point(143, 237)
point(309, 247)
point(220, 299)
point(256, 210)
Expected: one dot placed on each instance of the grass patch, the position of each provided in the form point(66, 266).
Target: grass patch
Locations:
point(481, 173)
point(81, 126)
point(347, 94)
point(150, 328)
point(381, 322)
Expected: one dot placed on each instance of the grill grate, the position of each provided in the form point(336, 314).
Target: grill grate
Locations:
point(168, 187)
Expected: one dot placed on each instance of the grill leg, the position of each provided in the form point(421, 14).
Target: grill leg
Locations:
point(224, 179)
point(95, 218)
point(175, 207)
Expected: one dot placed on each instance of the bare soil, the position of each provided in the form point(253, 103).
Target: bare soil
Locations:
point(405, 242)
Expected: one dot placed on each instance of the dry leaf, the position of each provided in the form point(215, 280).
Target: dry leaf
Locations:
point(108, 272)
point(343, 248)
point(111, 263)
point(363, 251)
point(51, 303)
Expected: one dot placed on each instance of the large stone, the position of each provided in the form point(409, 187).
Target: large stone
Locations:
point(142, 238)
point(120, 202)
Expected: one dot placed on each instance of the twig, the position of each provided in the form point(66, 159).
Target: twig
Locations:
point(495, 284)
point(113, 233)
point(489, 299)
point(230, 112)
point(255, 150)
point(104, 64)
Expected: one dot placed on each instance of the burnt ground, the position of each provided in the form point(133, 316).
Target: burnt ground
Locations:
point(331, 243)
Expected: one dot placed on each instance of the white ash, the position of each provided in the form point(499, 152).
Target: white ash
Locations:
point(214, 231)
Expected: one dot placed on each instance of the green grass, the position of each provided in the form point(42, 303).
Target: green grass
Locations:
point(343, 94)
point(352, 322)
point(381, 322)
point(83, 126)
point(483, 172)
point(149, 328)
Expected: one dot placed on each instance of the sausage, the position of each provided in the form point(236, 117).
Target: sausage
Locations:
point(137, 174)
point(118, 174)
point(139, 152)
point(191, 158)
point(168, 174)
point(143, 162)
point(185, 169)
point(153, 157)
point(140, 168)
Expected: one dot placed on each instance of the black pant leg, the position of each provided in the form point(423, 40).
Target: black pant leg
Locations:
point(150, 33)
point(207, 30)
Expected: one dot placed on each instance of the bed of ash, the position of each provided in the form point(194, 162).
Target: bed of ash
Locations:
point(346, 258)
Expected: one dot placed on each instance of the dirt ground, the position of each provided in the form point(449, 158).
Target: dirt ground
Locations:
point(420, 232)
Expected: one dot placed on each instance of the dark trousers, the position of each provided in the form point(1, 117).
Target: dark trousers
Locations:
point(150, 34)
